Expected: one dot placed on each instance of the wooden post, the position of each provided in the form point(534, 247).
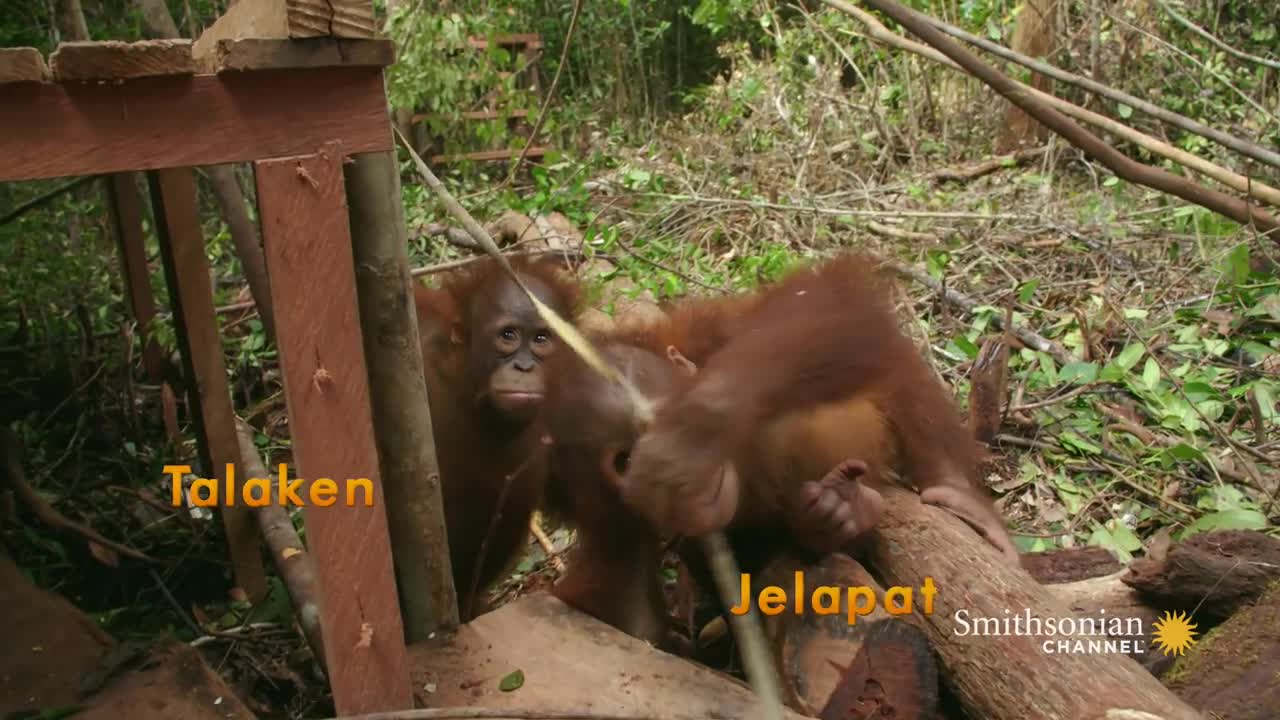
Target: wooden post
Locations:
point(308, 246)
point(173, 197)
point(126, 215)
point(401, 411)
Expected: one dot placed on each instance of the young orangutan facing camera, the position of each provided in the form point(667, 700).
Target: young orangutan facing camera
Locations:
point(484, 348)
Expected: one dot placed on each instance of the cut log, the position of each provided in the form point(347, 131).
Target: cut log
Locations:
point(1108, 596)
point(288, 19)
point(1068, 565)
point(49, 645)
point(283, 54)
point(513, 228)
point(53, 655)
point(879, 666)
point(569, 662)
point(1234, 672)
point(172, 681)
point(23, 64)
point(1019, 668)
point(112, 60)
point(1214, 573)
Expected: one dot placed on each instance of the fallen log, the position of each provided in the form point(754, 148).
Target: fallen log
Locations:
point(55, 657)
point(879, 666)
point(1234, 672)
point(1108, 596)
point(1067, 565)
point(997, 631)
point(537, 657)
point(1214, 573)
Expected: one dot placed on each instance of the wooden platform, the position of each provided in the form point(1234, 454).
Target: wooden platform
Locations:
point(571, 663)
point(113, 107)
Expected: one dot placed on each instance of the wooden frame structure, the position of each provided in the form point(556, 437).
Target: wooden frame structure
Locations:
point(529, 47)
point(296, 88)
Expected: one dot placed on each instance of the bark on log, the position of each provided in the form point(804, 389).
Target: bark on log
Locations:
point(1069, 565)
point(1214, 573)
point(879, 666)
point(1108, 596)
point(1005, 676)
point(1234, 672)
point(398, 392)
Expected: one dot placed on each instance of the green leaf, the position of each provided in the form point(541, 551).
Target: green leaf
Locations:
point(1124, 537)
point(1027, 290)
point(1125, 111)
point(1081, 373)
point(1072, 439)
point(1151, 373)
point(1130, 356)
point(1266, 401)
point(1236, 264)
point(1048, 367)
point(1228, 520)
point(1102, 537)
point(513, 681)
point(1111, 181)
point(1199, 391)
point(1257, 351)
point(1185, 452)
point(1270, 305)
point(966, 346)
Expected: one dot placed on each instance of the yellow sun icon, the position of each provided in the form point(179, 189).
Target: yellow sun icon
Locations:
point(1174, 633)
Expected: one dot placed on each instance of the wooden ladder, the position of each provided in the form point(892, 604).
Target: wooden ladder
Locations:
point(529, 45)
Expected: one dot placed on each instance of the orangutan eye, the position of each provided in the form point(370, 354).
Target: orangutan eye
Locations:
point(508, 334)
point(621, 461)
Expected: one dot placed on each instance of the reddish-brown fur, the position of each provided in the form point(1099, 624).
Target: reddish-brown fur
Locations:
point(613, 567)
point(814, 371)
point(480, 440)
point(794, 381)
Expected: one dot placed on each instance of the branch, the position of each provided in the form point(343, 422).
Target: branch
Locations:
point(1124, 167)
point(1243, 147)
point(1205, 34)
point(37, 202)
point(877, 31)
point(14, 476)
point(286, 549)
point(955, 297)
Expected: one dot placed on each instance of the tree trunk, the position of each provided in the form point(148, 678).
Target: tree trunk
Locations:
point(877, 667)
point(1214, 574)
point(71, 22)
point(398, 394)
point(158, 22)
point(1004, 676)
point(1032, 36)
